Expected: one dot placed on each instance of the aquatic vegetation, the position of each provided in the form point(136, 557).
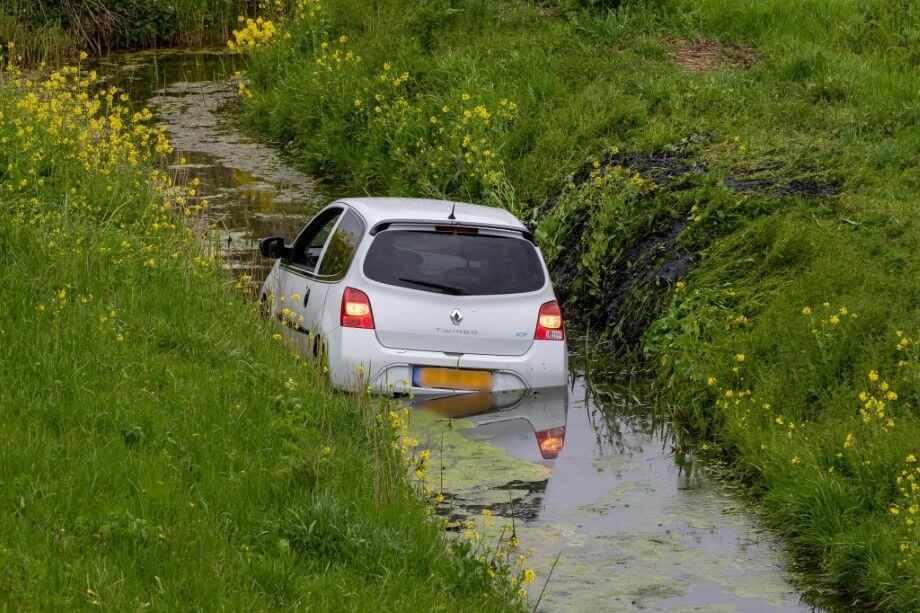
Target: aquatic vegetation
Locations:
point(467, 468)
point(496, 549)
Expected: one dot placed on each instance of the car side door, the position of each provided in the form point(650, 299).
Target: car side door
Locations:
point(299, 289)
point(336, 260)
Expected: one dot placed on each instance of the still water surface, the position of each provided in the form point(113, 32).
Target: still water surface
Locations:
point(636, 524)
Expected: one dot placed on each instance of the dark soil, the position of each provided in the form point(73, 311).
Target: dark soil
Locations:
point(703, 54)
point(662, 168)
point(642, 264)
point(780, 186)
point(654, 262)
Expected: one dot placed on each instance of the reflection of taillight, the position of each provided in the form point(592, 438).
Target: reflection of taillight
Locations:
point(356, 310)
point(551, 442)
point(549, 323)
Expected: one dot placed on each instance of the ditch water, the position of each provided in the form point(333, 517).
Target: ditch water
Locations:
point(251, 191)
point(636, 524)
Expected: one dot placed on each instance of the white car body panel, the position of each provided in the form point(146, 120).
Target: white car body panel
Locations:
point(417, 319)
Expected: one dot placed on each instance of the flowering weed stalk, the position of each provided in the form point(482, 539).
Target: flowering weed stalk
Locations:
point(439, 142)
point(869, 449)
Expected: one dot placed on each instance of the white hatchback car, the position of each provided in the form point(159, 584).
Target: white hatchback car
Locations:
point(419, 296)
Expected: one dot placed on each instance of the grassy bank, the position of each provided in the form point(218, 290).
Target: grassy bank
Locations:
point(55, 30)
point(161, 445)
point(739, 176)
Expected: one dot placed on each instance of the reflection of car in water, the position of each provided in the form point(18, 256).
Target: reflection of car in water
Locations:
point(528, 425)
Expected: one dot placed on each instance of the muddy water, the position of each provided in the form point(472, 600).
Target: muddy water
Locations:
point(251, 191)
point(635, 525)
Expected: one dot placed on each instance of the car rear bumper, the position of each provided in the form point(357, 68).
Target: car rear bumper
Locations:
point(357, 360)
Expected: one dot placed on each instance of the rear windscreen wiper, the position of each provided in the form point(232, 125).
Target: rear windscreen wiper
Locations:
point(447, 289)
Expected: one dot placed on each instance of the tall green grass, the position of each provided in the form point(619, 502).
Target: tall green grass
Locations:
point(828, 98)
point(160, 445)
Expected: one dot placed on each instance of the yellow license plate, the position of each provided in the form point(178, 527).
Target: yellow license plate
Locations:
point(452, 378)
point(459, 405)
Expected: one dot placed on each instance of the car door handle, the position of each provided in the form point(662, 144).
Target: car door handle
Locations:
point(306, 296)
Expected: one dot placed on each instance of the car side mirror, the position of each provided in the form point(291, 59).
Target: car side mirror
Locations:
point(274, 247)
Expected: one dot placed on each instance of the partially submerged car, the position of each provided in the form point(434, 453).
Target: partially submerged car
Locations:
point(419, 296)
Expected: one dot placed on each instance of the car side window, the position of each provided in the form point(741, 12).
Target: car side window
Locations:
point(341, 248)
point(309, 245)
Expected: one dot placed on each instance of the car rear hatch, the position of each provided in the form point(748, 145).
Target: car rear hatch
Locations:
point(467, 291)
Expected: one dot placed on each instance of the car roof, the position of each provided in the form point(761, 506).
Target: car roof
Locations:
point(378, 211)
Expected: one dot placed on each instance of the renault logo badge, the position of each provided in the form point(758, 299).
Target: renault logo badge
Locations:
point(456, 317)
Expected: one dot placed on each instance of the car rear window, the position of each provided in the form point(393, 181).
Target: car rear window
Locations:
point(463, 264)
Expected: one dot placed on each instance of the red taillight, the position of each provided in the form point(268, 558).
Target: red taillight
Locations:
point(549, 323)
point(551, 442)
point(356, 310)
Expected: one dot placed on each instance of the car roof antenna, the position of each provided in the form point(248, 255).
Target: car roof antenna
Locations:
point(452, 217)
